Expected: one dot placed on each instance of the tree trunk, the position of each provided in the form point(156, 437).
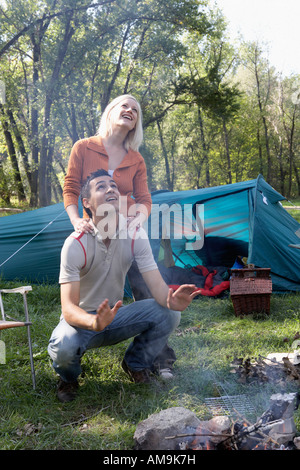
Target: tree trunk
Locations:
point(20, 143)
point(36, 40)
point(204, 148)
point(45, 167)
point(227, 152)
point(261, 166)
point(107, 94)
point(50, 171)
point(75, 135)
point(13, 157)
point(281, 168)
point(264, 121)
point(165, 154)
point(33, 180)
point(4, 191)
point(290, 132)
point(135, 57)
point(291, 151)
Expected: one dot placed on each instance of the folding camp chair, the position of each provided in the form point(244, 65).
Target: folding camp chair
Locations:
point(8, 322)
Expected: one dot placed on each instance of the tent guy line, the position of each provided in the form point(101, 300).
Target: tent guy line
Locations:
point(36, 235)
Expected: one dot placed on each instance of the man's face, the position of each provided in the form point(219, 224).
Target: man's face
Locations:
point(103, 190)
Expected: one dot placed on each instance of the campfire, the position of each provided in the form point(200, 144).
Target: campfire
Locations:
point(230, 428)
point(273, 430)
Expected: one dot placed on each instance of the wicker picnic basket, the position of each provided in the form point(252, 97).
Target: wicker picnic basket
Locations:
point(250, 290)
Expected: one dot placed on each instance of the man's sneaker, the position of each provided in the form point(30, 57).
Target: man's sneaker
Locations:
point(66, 391)
point(137, 376)
point(166, 374)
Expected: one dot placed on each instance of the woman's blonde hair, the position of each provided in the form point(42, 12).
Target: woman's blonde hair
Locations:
point(135, 137)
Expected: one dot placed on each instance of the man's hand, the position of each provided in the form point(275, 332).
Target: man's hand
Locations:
point(178, 300)
point(105, 315)
point(182, 297)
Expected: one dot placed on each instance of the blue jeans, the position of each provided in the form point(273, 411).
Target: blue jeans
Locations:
point(146, 321)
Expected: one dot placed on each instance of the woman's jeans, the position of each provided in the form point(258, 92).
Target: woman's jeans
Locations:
point(146, 321)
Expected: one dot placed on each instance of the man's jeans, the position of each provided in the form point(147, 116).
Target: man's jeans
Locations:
point(145, 320)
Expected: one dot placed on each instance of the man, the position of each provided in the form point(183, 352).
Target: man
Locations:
point(92, 277)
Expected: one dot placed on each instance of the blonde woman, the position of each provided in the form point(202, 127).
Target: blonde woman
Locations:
point(115, 148)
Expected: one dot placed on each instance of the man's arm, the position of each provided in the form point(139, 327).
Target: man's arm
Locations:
point(76, 316)
point(178, 300)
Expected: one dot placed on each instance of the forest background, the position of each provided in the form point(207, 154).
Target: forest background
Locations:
point(213, 112)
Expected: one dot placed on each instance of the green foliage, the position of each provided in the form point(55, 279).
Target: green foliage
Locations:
point(62, 62)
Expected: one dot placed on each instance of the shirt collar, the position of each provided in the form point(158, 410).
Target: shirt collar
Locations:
point(122, 230)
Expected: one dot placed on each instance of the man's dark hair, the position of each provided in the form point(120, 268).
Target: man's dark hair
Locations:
point(85, 189)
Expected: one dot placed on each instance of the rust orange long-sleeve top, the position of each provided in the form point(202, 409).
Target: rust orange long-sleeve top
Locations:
point(89, 155)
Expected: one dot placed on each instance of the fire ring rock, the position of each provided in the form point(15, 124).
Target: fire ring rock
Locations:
point(151, 433)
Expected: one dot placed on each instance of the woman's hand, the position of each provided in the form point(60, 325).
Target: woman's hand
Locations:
point(136, 221)
point(82, 225)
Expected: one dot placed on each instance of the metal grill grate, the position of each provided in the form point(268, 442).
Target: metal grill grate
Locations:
point(230, 405)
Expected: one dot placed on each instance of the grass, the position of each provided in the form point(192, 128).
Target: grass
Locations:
point(108, 408)
point(293, 208)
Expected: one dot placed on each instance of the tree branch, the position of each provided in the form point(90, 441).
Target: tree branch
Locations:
point(50, 17)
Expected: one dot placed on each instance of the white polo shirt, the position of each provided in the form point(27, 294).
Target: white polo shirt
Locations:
point(102, 271)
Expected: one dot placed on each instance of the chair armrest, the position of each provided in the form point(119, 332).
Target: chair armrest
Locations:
point(17, 290)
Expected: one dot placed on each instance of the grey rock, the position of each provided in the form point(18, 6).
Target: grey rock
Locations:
point(151, 433)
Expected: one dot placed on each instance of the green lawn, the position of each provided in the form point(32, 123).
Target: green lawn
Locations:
point(108, 407)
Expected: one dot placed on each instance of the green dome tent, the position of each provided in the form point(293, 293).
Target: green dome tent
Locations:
point(209, 227)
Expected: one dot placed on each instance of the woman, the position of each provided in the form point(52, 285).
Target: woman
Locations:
point(115, 149)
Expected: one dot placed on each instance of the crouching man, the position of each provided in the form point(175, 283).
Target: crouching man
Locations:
point(92, 278)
